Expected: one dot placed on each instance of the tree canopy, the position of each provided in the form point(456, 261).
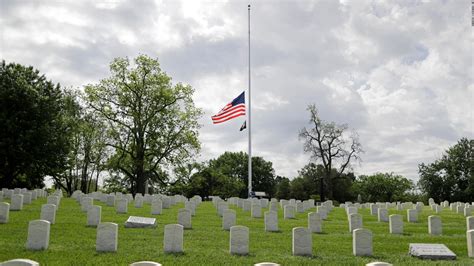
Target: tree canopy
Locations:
point(34, 139)
point(452, 176)
point(383, 187)
point(151, 123)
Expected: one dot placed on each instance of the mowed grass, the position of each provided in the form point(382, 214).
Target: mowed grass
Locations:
point(72, 243)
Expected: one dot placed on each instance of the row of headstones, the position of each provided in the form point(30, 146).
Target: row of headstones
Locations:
point(19, 197)
point(27, 262)
point(290, 207)
point(458, 207)
point(48, 211)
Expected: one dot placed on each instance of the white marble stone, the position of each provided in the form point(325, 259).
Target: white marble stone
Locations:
point(373, 209)
point(362, 242)
point(110, 200)
point(412, 215)
point(140, 222)
point(173, 238)
point(145, 263)
point(355, 222)
point(382, 215)
point(38, 235)
point(315, 223)
point(396, 224)
point(302, 242)
point(16, 202)
point(434, 225)
point(221, 207)
point(94, 215)
point(27, 197)
point(470, 243)
point(184, 218)
point(271, 221)
point(256, 211)
point(299, 207)
point(138, 201)
point(378, 263)
point(351, 210)
point(247, 205)
point(156, 206)
point(4, 212)
point(107, 236)
point(122, 206)
point(20, 262)
point(53, 200)
point(266, 264)
point(48, 213)
point(229, 219)
point(86, 203)
point(289, 211)
point(323, 211)
point(239, 240)
point(274, 206)
point(469, 223)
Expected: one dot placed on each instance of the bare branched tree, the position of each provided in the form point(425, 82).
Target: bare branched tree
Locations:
point(330, 144)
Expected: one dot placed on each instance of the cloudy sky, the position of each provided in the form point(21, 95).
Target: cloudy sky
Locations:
point(397, 72)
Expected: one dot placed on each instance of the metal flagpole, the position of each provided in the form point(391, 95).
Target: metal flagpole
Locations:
point(250, 123)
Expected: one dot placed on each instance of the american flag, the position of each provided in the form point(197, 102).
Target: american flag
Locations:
point(231, 110)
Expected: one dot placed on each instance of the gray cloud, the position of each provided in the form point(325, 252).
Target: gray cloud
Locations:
point(399, 73)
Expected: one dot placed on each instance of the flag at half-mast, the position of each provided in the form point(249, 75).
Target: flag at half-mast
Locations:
point(232, 110)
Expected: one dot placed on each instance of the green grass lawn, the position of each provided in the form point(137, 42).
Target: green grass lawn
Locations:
point(72, 243)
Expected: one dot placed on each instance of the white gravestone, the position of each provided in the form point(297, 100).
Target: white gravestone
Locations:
point(396, 224)
point(302, 242)
point(434, 225)
point(4, 212)
point(16, 202)
point(94, 215)
point(256, 211)
point(53, 200)
point(355, 222)
point(274, 206)
point(373, 209)
point(173, 239)
point(431, 251)
point(48, 213)
point(1, 196)
point(351, 210)
point(299, 207)
point(469, 223)
point(38, 235)
point(138, 202)
point(322, 211)
point(229, 219)
point(184, 218)
point(110, 200)
point(86, 203)
point(247, 205)
point(156, 206)
point(140, 222)
point(382, 215)
point(191, 206)
point(271, 221)
point(20, 262)
point(362, 242)
point(122, 206)
point(412, 215)
point(107, 235)
point(221, 207)
point(315, 223)
point(239, 240)
point(27, 197)
point(145, 263)
point(378, 263)
point(470, 243)
point(266, 264)
point(289, 211)
point(166, 202)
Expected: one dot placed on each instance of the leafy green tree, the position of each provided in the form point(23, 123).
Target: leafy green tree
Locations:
point(210, 182)
point(234, 165)
point(151, 123)
point(299, 188)
point(282, 188)
point(34, 139)
point(383, 187)
point(452, 176)
point(327, 142)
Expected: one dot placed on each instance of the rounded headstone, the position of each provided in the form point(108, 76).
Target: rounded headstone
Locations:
point(145, 263)
point(20, 262)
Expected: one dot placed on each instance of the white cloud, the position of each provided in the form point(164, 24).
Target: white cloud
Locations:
point(400, 73)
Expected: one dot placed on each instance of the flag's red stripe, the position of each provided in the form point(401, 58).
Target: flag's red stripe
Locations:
point(229, 109)
point(229, 113)
point(228, 118)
